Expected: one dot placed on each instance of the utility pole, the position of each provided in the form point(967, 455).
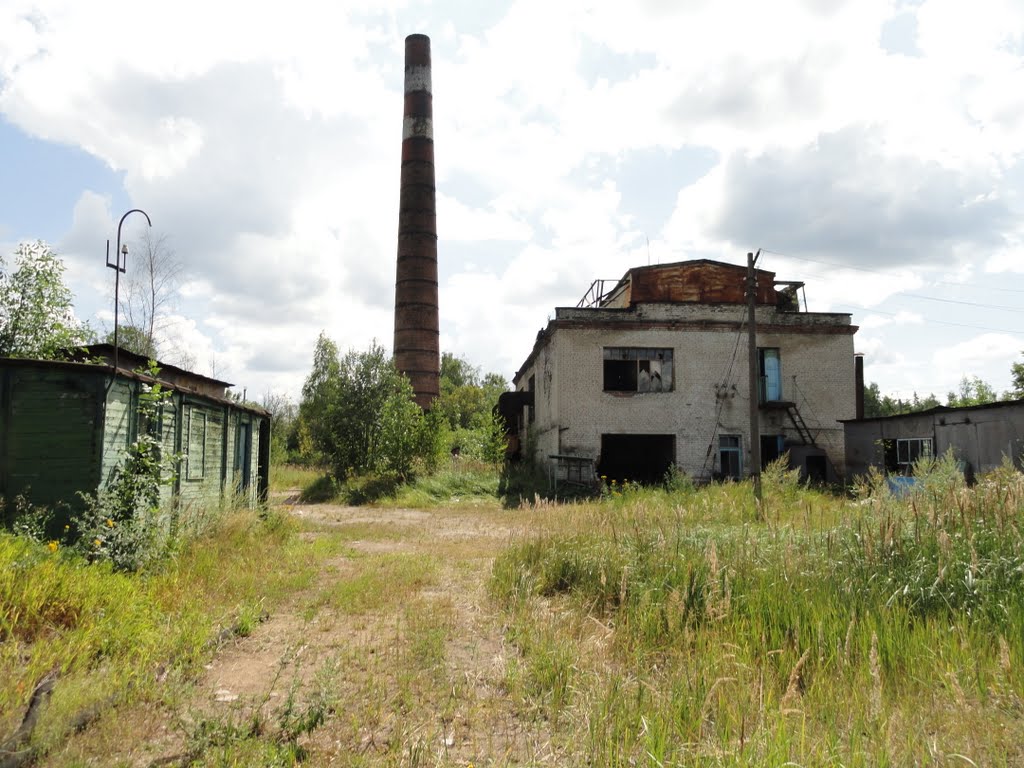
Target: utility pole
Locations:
point(755, 427)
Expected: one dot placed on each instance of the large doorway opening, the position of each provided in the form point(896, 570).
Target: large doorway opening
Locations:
point(641, 458)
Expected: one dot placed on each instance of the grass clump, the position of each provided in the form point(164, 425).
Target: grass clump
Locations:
point(463, 483)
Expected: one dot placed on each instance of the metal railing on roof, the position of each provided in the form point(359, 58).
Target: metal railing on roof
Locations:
point(597, 293)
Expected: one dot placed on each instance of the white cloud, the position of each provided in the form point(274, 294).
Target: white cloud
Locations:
point(966, 358)
point(900, 318)
point(458, 221)
point(269, 152)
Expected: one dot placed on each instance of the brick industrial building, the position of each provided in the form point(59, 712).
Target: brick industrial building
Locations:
point(651, 370)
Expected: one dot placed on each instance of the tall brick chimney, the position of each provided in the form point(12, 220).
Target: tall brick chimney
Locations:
point(417, 329)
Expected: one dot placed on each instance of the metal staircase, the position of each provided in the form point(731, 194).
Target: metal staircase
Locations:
point(801, 426)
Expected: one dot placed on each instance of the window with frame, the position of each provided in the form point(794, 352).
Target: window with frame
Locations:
point(638, 369)
point(910, 449)
point(730, 458)
point(195, 445)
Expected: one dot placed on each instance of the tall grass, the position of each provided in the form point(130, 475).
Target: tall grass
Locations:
point(865, 632)
point(288, 477)
point(462, 482)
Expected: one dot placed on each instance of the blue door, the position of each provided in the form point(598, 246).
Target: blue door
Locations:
point(771, 374)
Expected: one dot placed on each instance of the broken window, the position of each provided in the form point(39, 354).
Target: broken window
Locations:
point(637, 369)
point(729, 457)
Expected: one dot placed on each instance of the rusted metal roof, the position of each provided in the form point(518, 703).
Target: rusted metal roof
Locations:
point(697, 281)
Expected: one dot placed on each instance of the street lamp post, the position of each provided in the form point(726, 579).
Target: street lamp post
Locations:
point(119, 265)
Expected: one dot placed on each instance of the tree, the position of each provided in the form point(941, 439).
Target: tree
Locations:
point(149, 293)
point(284, 416)
point(973, 391)
point(466, 400)
point(36, 317)
point(360, 414)
point(319, 397)
point(465, 408)
point(876, 404)
point(134, 340)
point(1017, 376)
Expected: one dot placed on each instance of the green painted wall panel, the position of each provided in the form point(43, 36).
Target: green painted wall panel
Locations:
point(50, 446)
point(118, 425)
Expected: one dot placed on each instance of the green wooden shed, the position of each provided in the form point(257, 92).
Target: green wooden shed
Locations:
point(65, 426)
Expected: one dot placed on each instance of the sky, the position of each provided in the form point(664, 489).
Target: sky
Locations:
point(873, 149)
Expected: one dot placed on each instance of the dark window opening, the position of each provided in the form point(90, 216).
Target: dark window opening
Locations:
point(772, 447)
point(531, 384)
point(637, 369)
point(816, 468)
point(889, 456)
point(640, 458)
point(620, 375)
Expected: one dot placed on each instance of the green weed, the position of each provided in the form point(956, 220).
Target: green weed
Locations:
point(805, 637)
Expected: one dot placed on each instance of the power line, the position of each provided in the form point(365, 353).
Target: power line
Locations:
point(886, 274)
point(1018, 310)
point(922, 297)
point(934, 322)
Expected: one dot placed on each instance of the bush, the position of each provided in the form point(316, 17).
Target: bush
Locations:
point(358, 414)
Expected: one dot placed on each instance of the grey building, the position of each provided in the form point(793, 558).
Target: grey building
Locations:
point(650, 371)
point(980, 436)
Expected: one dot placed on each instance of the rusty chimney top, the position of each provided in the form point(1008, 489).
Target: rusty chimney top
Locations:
point(417, 329)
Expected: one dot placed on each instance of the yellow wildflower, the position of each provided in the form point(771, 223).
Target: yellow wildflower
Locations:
point(96, 542)
point(110, 523)
point(53, 546)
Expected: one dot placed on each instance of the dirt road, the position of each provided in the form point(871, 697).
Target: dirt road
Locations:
point(391, 655)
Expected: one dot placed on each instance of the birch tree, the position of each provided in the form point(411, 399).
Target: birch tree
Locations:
point(149, 293)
